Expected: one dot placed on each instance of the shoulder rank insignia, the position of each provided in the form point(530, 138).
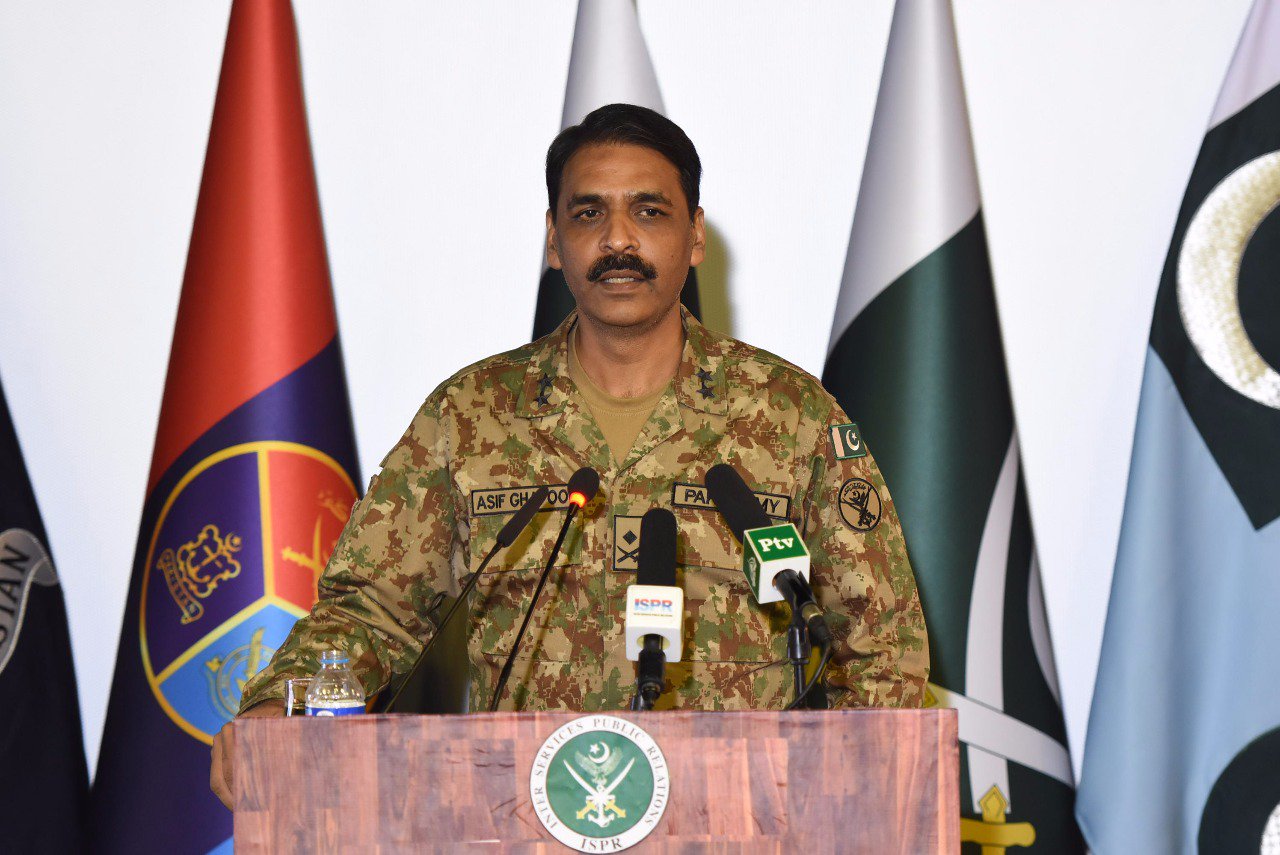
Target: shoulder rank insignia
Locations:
point(846, 441)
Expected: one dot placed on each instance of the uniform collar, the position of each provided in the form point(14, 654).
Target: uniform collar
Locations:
point(700, 382)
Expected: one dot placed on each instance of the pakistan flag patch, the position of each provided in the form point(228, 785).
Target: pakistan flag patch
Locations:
point(599, 784)
point(846, 441)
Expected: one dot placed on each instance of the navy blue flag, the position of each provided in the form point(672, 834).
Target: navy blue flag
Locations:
point(44, 782)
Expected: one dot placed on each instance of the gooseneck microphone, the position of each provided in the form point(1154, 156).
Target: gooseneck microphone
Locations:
point(582, 488)
point(506, 536)
point(776, 564)
point(655, 607)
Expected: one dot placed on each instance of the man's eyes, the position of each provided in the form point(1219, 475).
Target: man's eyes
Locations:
point(645, 213)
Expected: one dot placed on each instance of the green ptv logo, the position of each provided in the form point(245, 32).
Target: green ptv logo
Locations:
point(599, 783)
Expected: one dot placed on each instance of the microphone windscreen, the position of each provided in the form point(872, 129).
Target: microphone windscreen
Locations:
point(585, 481)
point(734, 499)
point(521, 518)
point(656, 564)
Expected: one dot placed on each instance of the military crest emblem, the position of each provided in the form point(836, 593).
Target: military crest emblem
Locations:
point(234, 558)
point(859, 504)
point(599, 783)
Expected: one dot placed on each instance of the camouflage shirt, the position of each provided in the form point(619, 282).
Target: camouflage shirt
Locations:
point(490, 434)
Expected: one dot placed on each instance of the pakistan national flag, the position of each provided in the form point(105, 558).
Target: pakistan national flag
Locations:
point(916, 360)
point(609, 64)
point(1183, 750)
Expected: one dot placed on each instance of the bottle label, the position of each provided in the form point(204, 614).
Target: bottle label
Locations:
point(346, 709)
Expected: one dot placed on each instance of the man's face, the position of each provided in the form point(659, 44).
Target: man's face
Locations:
point(622, 234)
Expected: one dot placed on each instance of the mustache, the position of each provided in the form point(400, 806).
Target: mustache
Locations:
point(607, 264)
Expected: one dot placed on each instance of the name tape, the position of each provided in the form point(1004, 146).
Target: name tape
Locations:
point(486, 503)
point(775, 505)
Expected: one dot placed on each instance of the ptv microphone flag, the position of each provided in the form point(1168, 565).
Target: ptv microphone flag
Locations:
point(254, 470)
point(608, 64)
point(915, 357)
point(44, 781)
point(766, 552)
point(1183, 746)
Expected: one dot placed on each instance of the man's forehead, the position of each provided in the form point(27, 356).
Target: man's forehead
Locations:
point(620, 170)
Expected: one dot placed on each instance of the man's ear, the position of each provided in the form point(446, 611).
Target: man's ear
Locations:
point(699, 239)
point(553, 252)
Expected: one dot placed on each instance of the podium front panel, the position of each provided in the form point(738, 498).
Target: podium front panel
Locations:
point(881, 781)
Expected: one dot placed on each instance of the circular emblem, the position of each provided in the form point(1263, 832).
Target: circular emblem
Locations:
point(234, 556)
point(859, 504)
point(599, 783)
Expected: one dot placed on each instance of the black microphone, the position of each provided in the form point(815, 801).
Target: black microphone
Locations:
point(654, 603)
point(742, 512)
point(582, 488)
point(519, 522)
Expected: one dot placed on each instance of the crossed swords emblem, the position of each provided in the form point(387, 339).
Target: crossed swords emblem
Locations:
point(600, 797)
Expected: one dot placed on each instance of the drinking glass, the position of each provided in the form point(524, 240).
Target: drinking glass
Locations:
point(295, 695)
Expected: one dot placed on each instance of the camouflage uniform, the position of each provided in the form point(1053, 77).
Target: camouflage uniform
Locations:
point(516, 421)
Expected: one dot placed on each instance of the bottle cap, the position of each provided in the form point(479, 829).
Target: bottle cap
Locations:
point(333, 657)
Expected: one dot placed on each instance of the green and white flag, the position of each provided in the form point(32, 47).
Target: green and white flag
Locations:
point(916, 360)
point(609, 64)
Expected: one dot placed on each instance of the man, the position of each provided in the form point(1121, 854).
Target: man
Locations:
point(634, 386)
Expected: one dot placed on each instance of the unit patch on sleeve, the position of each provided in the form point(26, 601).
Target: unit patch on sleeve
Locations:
point(859, 504)
point(846, 441)
point(486, 503)
point(626, 543)
point(683, 495)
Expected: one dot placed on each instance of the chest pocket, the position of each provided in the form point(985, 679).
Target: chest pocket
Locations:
point(723, 622)
point(508, 583)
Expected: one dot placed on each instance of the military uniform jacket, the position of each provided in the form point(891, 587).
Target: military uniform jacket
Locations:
point(493, 432)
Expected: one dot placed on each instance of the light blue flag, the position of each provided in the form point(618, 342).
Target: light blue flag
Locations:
point(1183, 748)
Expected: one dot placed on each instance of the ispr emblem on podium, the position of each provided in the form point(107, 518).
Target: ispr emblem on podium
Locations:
point(234, 558)
point(599, 784)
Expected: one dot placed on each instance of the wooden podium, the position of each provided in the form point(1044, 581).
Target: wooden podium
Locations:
point(878, 781)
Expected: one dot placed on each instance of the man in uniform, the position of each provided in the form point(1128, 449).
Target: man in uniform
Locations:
point(633, 386)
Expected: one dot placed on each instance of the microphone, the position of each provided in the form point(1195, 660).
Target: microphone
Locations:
point(774, 557)
point(582, 488)
point(655, 607)
point(519, 522)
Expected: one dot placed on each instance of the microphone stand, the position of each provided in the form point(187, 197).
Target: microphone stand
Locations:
point(798, 649)
point(422, 657)
point(542, 580)
point(649, 674)
point(506, 537)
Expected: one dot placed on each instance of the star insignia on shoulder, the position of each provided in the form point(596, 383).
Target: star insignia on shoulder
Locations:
point(704, 377)
point(544, 390)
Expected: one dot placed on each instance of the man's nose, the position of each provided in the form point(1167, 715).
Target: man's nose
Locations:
point(619, 237)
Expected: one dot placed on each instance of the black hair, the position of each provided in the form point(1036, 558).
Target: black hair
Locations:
point(626, 124)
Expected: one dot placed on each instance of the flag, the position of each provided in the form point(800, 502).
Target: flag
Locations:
point(1183, 747)
point(44, 785)
point(253, 473)
point(915, 359)
point(608, 64)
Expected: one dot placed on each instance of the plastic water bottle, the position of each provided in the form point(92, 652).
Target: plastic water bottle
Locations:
point(335, 690)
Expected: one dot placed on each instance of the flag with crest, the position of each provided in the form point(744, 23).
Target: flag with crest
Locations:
point(253, 472)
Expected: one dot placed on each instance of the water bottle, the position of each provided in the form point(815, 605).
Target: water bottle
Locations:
point(335, 690)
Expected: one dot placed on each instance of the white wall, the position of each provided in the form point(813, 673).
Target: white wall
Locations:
point(429, 122)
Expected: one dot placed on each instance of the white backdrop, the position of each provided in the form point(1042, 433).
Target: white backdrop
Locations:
point(429, 122)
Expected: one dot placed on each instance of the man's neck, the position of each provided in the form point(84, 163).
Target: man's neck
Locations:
point(628, 363)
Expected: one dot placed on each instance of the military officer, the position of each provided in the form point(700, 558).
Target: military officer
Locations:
point(632, 385)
